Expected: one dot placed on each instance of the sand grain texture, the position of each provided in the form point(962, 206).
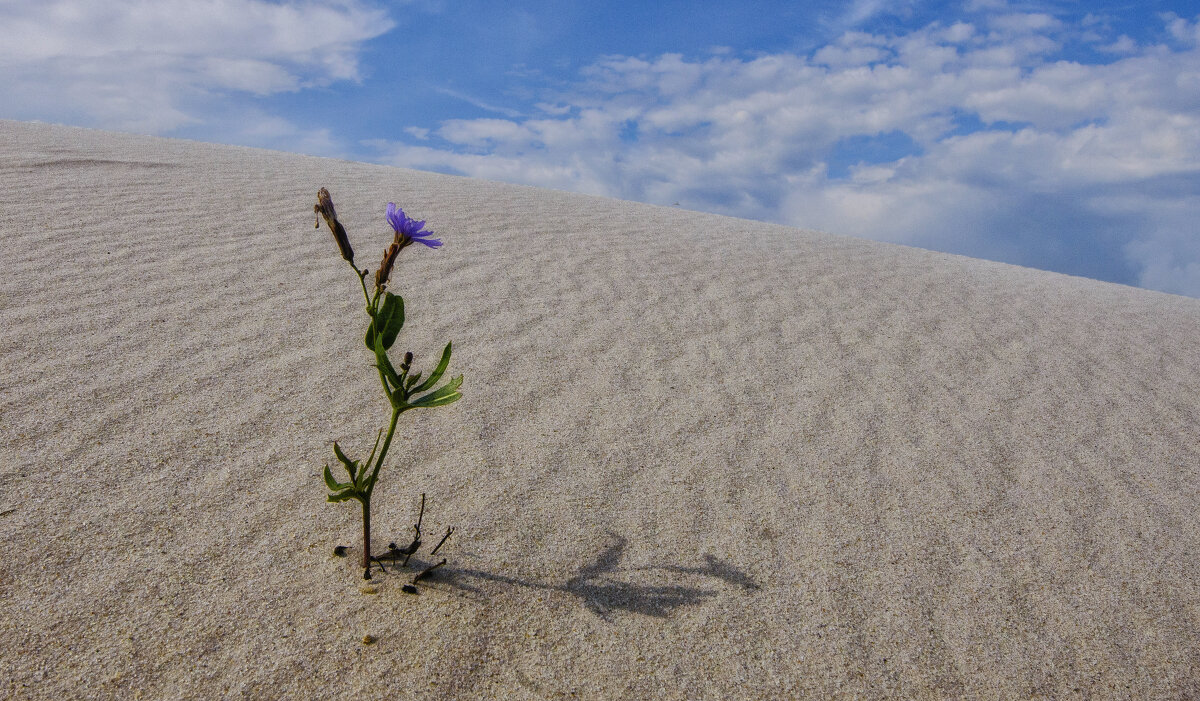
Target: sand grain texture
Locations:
point(697, 457)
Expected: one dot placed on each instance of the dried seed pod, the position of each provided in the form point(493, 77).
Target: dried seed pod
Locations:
point(324, 207)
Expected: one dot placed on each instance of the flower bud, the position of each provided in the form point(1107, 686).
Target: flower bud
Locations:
point(324, 207)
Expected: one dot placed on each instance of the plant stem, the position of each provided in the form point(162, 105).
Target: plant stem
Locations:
point(362, 280)
point(387, 443)
point(366, 537)
point(372, 310)
point(366, 501)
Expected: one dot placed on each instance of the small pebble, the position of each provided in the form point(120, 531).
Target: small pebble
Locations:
point(408, 589)
point(368, 640)
point(339, 551)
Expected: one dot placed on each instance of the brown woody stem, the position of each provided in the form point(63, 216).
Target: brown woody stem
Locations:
point(366, 562)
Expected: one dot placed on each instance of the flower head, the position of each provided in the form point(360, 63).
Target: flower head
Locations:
point(409, 228)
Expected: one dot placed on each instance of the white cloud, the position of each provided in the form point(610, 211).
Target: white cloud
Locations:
point(1021, 23)
point(153, 66)
point(1183, 30)
point(470, 100)
point(557, 110)
point(247, 75)
point(478, 133)
point(981, 5)
point(269, 131)
point(860, 11)
point(957, 33)
point(1123, 45)
point(854, 49)
point(1099, 178)
point(1054, 96)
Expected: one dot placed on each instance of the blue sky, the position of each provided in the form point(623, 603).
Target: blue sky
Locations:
point(1057, 135)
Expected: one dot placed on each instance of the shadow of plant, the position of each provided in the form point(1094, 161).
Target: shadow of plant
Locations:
point(715, 568)
point(596, 587)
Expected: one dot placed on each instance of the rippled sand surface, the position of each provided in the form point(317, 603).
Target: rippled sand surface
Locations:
point(697, 457)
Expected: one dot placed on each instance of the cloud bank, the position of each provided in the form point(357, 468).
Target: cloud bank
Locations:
point(152, 66)
point(973, 137)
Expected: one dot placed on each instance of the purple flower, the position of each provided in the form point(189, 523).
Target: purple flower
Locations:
point(409, 227)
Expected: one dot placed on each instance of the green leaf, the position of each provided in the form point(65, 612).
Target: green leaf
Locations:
point(371, 457)
point(384, 363)
point(387, 322)
point(334, 485)
point(437, 372)
point(446, 394)
point(369, 486)
point(350, 464)
point(443, 401)
point(412, 380)
point(342, 496)
point(389, 373)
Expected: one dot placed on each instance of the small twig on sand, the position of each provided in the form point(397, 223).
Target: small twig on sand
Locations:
point(449, 530)
point(379, 561)
point(426, 572)
point(417, 527)
point(393, 554)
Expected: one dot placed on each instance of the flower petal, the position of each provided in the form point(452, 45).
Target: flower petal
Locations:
point(395, 217)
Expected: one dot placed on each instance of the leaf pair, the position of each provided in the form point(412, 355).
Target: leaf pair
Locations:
point(442, 396)
point(401, 386)
point(361, 484)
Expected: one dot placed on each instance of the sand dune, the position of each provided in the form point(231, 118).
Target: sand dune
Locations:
point(697, 457)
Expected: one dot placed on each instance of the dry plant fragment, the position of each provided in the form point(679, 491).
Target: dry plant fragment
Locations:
point(449, 530)
point(385, 266)
point(427, 571)
point(324, 207)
